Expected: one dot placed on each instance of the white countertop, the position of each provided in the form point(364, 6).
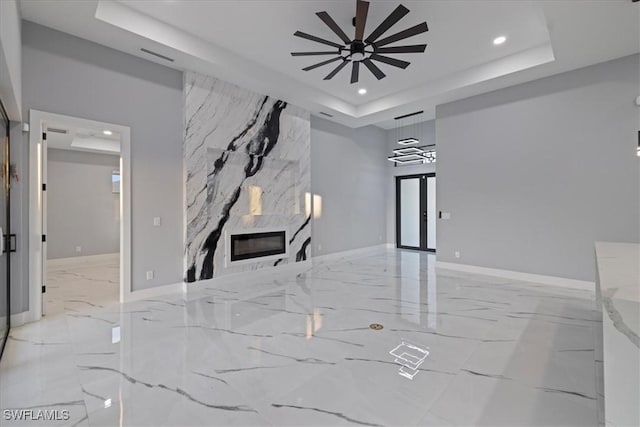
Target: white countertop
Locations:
point(618, 289)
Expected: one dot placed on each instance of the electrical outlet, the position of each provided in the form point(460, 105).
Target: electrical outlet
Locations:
point(150, 275)
point(78, 249)
point(157, 221)
point(457, 254)
point(319, 246)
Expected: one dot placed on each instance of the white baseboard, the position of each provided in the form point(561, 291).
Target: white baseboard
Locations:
point(86, 259)
point(174, 288)
point(20, 319)
point(321, 259)
point(516, 275)
point(294, 267)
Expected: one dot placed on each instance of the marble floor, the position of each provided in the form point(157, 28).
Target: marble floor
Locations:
point(73, 284)
point(296, 349)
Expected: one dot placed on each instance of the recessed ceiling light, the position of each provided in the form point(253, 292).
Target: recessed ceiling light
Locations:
point(362, 91)
point(499, 40)
point(107, 132)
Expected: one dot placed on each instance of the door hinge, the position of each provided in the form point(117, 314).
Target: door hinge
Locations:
point(44, 237)
point(44, 289)
point(44, 136)
point(44, 187)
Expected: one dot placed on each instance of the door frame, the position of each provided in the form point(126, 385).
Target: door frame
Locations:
point(7, 232)
point(423, 208)
point(36, 179)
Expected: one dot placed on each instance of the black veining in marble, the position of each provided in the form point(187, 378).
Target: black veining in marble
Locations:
point(257, 149)
point(311, 360)
point(301, 255)
point(177, 390)
point(337, 414)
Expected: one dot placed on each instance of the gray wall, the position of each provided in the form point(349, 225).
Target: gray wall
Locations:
point(10, 53)
point(348, 170)
point(19, 221)
point(67, 75)
point(426, 132)
point(534, 174)
point(82, 210)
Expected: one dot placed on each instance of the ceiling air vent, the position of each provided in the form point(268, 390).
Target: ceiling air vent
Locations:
point(55, 130)
point(150, 52)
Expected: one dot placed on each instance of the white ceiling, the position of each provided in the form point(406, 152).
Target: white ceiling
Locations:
point(81, 139)
point(249, 43)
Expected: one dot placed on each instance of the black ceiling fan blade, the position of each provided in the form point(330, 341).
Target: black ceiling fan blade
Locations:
point(333, 52)
point(409, 32)
point(316, 39)
point(374, 69)
point(362, 9)
point(389, 22)
point(416, 48)
point(391, 61)
point(336, 70)
point(355, 72)
point(328, 20)
point(320, 64)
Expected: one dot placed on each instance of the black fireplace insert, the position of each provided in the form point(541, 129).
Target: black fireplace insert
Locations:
point(256, 245)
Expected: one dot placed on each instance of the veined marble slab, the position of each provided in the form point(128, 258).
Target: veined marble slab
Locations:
point(289, 348)
point(618, 294)
point(247, 159)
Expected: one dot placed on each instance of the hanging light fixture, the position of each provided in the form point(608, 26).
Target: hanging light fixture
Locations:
point(424, 154)
point(400, 125)
point(414, 154)
point(408, 141)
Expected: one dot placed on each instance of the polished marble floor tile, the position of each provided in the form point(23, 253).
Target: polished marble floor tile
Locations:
point(296, 349)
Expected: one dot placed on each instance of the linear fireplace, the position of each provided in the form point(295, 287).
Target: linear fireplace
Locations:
point(245, 246)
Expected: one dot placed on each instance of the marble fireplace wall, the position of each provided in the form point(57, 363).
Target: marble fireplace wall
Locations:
point(247, 159)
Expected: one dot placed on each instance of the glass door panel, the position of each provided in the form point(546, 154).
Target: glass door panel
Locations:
point(416, 213)
point(410, 216)
point(431, 212)
point(4, 226)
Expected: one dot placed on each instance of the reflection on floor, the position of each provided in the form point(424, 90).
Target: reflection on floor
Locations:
point(78, 283)
point(297, 350)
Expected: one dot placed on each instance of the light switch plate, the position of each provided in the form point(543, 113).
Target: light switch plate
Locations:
point(157, 221)
point(150, 275)
point(446, 215)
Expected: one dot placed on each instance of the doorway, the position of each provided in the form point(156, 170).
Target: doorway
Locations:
point(81, 217)
point(80, 187)
point(416, 212)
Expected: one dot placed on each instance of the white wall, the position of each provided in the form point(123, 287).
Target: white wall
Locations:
point(426, 132)
point(10, 59)
point(348, 171)
point(66, 75)
point(82, 210)
point(535, 173)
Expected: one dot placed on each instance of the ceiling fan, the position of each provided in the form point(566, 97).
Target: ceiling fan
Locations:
point(364, 50)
